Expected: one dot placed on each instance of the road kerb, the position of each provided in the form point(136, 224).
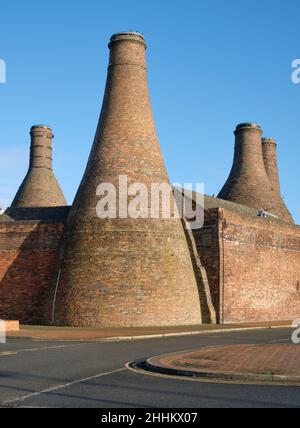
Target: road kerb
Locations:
point(155, 365)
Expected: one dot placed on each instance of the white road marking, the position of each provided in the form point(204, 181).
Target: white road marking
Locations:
point(43, 348)
point(66, 385)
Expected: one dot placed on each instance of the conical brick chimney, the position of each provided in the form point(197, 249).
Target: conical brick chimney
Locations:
point(270, 161)
point(40, 187)
point(269, 147)
point(248, 182)
point(124, 272)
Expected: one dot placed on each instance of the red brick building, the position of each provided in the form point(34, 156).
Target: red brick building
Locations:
point(63, 265)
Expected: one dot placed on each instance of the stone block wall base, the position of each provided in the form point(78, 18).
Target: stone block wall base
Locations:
point(11, 325)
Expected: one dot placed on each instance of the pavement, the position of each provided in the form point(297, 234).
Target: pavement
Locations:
point(95, 374)
point(273, 362)
point(90, 334)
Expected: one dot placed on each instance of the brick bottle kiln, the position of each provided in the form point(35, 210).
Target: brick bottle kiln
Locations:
point(124, 272)
point(40, 187)
point(248, 182)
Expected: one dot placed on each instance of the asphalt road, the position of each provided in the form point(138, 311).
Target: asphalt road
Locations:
point(82, 374)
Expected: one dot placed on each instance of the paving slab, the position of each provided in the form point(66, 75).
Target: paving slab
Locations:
point(275, 362)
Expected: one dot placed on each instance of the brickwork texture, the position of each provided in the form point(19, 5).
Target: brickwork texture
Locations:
point(68, 267)
point(124, 272)
point(254, 268)
point(27, 266)
point(40, 187)
point(248, 183)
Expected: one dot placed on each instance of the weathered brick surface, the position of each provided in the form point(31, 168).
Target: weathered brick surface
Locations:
point(125, 272)
point(208, 247)
point(270, 160)
point(27, 264)
point(248, 183)
point(40, 187)
point(260, 269)
point(269, 147)
point(139, 273)
point(252, 265)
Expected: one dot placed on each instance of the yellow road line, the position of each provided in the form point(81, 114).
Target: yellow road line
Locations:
point(6, 354)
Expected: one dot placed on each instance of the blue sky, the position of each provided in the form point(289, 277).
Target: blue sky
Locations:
point(212, 64)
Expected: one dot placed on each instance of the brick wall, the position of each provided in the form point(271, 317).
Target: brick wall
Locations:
point(252, 265)
point(259, 270)
point(208, 247)
point(27, 258)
